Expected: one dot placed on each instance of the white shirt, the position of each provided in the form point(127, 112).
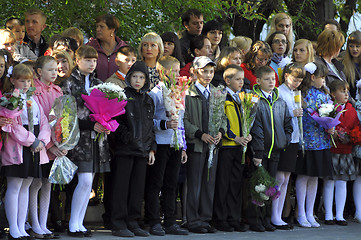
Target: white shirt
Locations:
point(266, 95)
point(87, 84)
point(202, 89)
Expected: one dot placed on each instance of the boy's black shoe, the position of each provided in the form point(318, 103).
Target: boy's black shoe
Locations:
point(122, 233)
point(198, 230)
point(210, 229)
point(224, 227)
point(157, 230)
point(257, 228)
point(239, 227)
point(139, 232)
point(269, 227)
point(77, 234)
point(175, 229)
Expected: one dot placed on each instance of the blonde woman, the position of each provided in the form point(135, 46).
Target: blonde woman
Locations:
point(303, 52)
point(282, 22)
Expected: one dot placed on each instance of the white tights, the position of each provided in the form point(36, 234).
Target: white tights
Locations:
point(16, 204)
point(340, 198)
point(282, 179)
point(80, 201)
point(306, 189)
point(357, 196)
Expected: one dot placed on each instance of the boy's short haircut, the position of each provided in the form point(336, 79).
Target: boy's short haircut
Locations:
point(86, 51)
point(35, 11)
point(74, 33)
point(231, 70)
point(127, 50)
point(12, 22)
point(166, 62)
point(190, 12)
point(263, 70)
point(338, 84)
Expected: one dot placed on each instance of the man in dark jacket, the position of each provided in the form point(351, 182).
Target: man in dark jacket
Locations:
point(34, 24)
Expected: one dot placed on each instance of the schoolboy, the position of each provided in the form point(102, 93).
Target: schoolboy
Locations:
point(271, 133)
point(228, 191)
point(200, 179)
point(126, 57)
point(135, 145)
point(163, 175)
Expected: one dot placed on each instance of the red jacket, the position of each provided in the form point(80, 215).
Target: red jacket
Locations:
point(251, 77)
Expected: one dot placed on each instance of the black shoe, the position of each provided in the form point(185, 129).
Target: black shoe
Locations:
point(257, 228)
point(58, 226)
point(198, 230)
point(175, 229)
point(87, 233)
point(341, 222)
point(282, 227)
point(139, 232)
point(94, 201)
point(239, 227)
point(52, 236)
point(37, 235)
point(224, 227)
point(157, 230)
point(122, 233)
point(210, 229)
point(330, 222)
point(76, 234)
point(269, 227)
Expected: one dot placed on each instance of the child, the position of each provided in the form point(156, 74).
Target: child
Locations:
point(228, 193)
point(23, 152)
point(344, 168)
point(163, 175)
point(46, 93)
point(126, 57)
point(134, 146)
point(90, 156)
point(271, 133)
point(317, 160)
point(357, 153)
point(293, 75)
point(200, 179)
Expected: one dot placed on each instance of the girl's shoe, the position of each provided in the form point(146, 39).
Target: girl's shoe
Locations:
point(302, 221)
point(315, 224)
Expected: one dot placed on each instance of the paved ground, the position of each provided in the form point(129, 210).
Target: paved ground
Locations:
point(350, 232)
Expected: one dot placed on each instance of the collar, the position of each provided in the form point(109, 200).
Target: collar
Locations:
point(201, 87)
point(266, 95)
point(232, 93)
point(120, 75)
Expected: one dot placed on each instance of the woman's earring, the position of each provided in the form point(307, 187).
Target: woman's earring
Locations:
point(111, 35)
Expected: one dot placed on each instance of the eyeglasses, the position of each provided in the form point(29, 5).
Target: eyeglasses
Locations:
point(277, 41)
point(262, 60)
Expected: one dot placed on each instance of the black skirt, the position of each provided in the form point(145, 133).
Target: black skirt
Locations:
point(30, 166)
point(288, 158)
point(317, 163)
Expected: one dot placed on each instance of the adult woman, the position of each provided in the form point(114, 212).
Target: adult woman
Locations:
point(74, 33)
point(172, 46)
point(279, 46)
point(352, 60)
point(65, 65)
point(107, 44)
point(213, 30)
point(66, 44)
point(329, 44)
point(242, 43)
point(150, 50)
point(259, 55)
point(303, 52)
point(282, 22)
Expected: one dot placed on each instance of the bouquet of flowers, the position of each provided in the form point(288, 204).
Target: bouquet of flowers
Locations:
point(297, 97)
point(248, 114)
point(263, 187)
point(106, 100)
point(355, 136)
point(65, 135)
point(327, 115)
point(174, 91)
point(217, 98)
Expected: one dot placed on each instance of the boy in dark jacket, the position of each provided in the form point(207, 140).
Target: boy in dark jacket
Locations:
point(133, 145)
point(271, 133)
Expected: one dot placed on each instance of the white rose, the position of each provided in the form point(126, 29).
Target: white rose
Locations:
point(260, 188)
point(264, 196)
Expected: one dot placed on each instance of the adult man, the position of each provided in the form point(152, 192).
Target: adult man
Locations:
point(34, 24)
point(192, 20)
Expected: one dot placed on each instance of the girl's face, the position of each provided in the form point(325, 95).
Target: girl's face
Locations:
point(150, 50)
point(137, 80)
point(292, 82)
point(206, 50)
point(8, 43)
point(284, 26)
point(355, 50)
point(49, 72)
point(103, 31)
point(235, 58)
point(215, 36)
point(341, 95)
point(21, 83)
point(261, 59)
point(2, 66)
point(279, 44)
point(168, 48)
point(62, 66)
point(317, 82)
point(300, 53)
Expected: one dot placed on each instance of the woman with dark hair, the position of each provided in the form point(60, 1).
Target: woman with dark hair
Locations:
point(172, 46)
point(107, 44)
point(213, 30)
point(66, 44)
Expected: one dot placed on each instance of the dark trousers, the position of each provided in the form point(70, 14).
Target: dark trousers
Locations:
point(228, 190)
point(200, 188)
point(162, 176)
point(262, 215)
point(128, 190)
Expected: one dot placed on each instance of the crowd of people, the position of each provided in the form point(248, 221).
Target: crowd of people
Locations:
point(140, 163)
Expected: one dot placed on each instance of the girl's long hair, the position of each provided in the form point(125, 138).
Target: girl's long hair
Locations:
point(347, 60)
point(321, 71)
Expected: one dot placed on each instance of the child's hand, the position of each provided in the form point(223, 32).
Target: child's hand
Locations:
point(151, 159)
point(57, 152)
point(184, 157)
point(331, 131)
point(39, 147)
point(249, 138)
point(172, 124)
point(298, 112)
point(100, 129)
point(218, 138)
point(257, 161)
point(5, 121)
point(241, 140)
point(207, 138)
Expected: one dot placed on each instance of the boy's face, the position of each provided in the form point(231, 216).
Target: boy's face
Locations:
point(137, 80)
point(236, 82)
point(267, 82)
point(205, 75)
point(125, 62)
point(86, 65)
point(19, 32)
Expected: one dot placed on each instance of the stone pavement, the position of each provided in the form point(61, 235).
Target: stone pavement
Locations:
point(325, 232)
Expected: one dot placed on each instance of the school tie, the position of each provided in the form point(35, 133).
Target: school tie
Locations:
point(236, 97)
point(205, 93)
point(269, 98)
